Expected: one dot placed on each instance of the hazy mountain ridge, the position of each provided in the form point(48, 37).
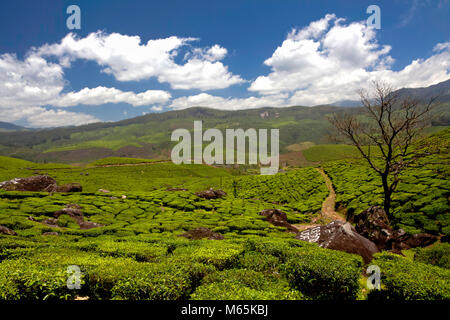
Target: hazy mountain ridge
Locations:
point(149, 136)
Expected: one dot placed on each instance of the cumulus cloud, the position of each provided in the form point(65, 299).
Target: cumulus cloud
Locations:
point(44, 117)
point(55, 118)
point(127, 59)
point(29, 84)
point(216, 102)
point(102, 95)
point(330, 59)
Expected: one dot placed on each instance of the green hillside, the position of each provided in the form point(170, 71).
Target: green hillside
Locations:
point(149, 136)
point(137, 252)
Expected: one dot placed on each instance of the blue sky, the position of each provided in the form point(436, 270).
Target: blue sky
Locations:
point(222, 54)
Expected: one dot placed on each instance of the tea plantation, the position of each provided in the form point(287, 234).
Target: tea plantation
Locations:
point(142, 207)
point(421, 202)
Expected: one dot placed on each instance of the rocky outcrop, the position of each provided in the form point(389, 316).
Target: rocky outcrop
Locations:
point(7, 231)
point(373, 224)
point(211, 194)
point(34, 183)
point(40, 183)
point(342, 236)
point(278, 218)
point(202, 233)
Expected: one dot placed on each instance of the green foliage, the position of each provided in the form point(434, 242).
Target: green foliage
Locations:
point(243, 284)
point(420, 203)
point(324, 274)
point(120, 160)
point(403, 279)
point(330, 152)
point(438, 255)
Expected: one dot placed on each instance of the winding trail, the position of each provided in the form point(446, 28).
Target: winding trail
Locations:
point(327, 213)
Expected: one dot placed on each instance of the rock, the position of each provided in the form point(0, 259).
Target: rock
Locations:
point(373, 224)
point(70, 187)
point(51, 222)
point(41, 183)
point(404, 241)
point(277, 218)
point(201, 233)
point(342, 236)
point(34, 183)
point(211, 194)
point(7, 231)
point(104, 190)
point(124, 196)
point(74, 211)
point(50, 234)
point(89, 225)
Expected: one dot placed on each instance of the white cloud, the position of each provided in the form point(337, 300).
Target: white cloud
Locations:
point(127, 59)
point(216, 102)
point(56, 118)
point(102, 95)
point(330, 60)
point(30, 82)
point(28, 85)
point(157, 108)
point(43, 117)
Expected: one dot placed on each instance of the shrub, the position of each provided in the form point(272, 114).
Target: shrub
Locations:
point(323, 273)
point(438, 255)
point(403, 279)
point(242, 284)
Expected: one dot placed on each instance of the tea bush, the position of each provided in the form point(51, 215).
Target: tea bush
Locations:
point(324, 274)
point(403, 279)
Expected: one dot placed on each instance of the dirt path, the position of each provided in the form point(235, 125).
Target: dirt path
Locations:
point(328, 213)
point(131, 164)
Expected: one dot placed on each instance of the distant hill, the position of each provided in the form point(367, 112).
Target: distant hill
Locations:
point(6, 126)
point(440, 90)
point(149, 136)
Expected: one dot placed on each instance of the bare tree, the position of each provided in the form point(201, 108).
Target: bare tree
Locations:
point(390, 124)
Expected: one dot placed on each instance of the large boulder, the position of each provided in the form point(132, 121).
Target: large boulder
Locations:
point(278, 218)
point(40, 183)
point(211, 194)
point(202, 233)
point(342, 236)
point(373, 224)
point(7, 231)
point(34, 183)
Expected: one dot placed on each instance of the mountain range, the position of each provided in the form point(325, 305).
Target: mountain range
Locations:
point(149, 136)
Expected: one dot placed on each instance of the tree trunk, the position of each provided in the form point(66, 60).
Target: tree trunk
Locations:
point(387, 196)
